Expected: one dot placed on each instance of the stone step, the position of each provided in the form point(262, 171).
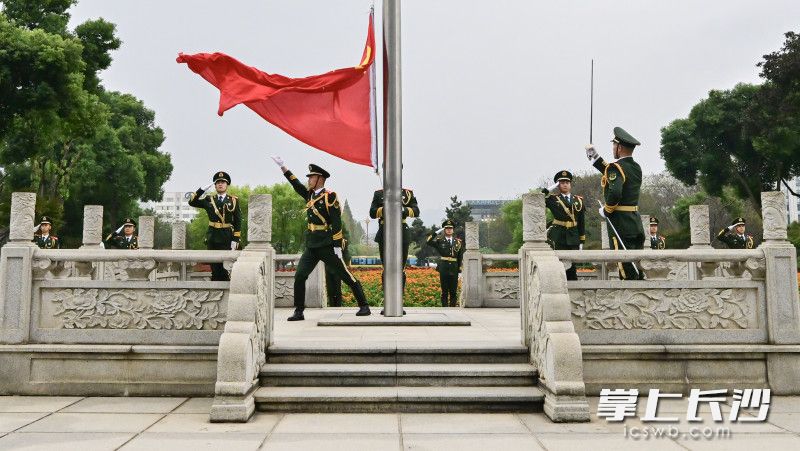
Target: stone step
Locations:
point(399, 399)
point(400, 374)
point(391, 352)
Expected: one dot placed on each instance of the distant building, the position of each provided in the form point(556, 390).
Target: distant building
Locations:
point(792, 202)
point(485, 209)
point(173, 207)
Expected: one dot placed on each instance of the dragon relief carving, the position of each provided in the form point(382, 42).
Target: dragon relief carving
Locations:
point(100, 308)
point(676, 308)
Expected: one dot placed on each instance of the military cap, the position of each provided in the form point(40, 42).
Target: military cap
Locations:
point(562, 175)
point(46, 220)
point(447, 223)
point(624, 138)
point(738, 221)
point(653, 220)
point(222, 175)
point(129, 222)
point(313, 169)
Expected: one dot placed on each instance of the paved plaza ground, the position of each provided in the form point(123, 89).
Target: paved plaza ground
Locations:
point(86, 424)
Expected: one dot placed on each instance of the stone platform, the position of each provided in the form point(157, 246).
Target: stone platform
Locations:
point(445, 317)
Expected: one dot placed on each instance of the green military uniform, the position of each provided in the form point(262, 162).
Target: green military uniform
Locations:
point(333, 283)
point(735, 240)
point(48, 241)
point(656, 241)
point(118, 240)
point(224, 222)
point(567, 231)
point(621, 182)
point(409, 208)
point(323, 234)
point(451, 251)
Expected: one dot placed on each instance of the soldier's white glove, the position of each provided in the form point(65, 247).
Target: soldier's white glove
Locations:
point(552, 187)
point(120, 229)
point(338, 252)
point(602, 212)
point(438, 231)
point(208, 187)
point(591, 154)
point(730, 227)
point(234, 245)
point(580, 247)
point(36, 227)
point(278, 160)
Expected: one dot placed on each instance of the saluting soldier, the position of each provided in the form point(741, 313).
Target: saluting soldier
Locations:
point(323, 237)
point(735, 235)
point(42, 236)
point(621, 182)
point(409, 209)
point(124, 237)
point(224, 220)
point(451, 251)
point(656, 241)
point(567, 231)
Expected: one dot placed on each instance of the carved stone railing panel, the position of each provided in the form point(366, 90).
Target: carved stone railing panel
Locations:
point(132, 308)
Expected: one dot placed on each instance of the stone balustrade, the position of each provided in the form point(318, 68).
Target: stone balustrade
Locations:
point(134, 322)
point(703, 318)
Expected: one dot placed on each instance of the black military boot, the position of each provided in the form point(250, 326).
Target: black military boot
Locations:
point(298, 315)
point(361, 298)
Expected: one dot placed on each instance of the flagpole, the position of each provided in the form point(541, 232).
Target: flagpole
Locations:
point(373, 107)
point(393, 161)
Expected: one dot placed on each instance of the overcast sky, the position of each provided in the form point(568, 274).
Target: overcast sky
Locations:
point(495, 93)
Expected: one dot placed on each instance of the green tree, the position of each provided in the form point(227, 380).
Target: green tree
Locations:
point(354, 227)
point(418, 233)
point(511, 214)
point(61, 134)
point(747, 138)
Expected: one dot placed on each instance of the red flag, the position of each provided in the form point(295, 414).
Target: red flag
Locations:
point(331, 111)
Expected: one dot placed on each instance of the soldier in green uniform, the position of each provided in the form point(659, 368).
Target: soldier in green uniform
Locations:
point(323, 237)
point(42, 236)
point(451, 250)
point(224, 220)
point(409, 208)
point(656, 241)
point(124, 237)
point(621, 182)
point(735, 236)
point(567, 230)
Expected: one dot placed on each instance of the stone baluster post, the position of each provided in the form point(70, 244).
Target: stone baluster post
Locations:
point(179, 235)
point(92, 226)
point(179, 244)
point(700, 236)
point(259, 222)
point(646, 227)
point(783, 302)
point(16, 271)
point(534, 237)
point(92, 239)
point(147, 232)
point(472, 269)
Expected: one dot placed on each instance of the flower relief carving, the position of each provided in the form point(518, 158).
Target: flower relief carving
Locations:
point(137, 309)
point(504, 287)
point(676, 308)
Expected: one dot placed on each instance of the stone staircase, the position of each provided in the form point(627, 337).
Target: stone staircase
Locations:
point(398, 378)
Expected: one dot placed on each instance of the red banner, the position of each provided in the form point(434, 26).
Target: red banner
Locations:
point(331, 111)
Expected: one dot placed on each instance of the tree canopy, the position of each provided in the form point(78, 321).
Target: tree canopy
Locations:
point(747, 137)
point(62, 135)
